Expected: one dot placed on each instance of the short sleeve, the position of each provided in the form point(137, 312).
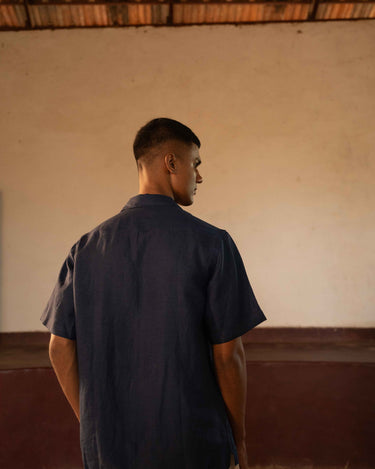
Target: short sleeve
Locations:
point(59, 314)
point(231, 307)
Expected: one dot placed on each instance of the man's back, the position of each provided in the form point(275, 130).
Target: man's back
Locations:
point(145, 294)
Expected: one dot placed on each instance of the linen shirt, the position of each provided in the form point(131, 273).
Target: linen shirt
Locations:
point(145, 294)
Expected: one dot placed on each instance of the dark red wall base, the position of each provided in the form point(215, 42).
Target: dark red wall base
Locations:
point(310, 402)
point(38, 429)
point(311, 414)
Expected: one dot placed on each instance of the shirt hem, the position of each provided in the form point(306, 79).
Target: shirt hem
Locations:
point(255, 322)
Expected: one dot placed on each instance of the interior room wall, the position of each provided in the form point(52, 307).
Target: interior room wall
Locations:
point(285, 114)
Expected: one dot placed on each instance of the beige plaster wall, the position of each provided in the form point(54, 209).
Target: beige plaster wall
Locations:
point(285, 113)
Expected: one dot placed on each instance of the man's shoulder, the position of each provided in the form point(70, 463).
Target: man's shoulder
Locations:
point(194, 222)
point(187, 221)
point(97, 231)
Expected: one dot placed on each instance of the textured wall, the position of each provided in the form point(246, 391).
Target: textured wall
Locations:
point(285, 113)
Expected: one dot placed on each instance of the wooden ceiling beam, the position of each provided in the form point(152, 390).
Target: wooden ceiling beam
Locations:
point(314, 9)
point(314, 3)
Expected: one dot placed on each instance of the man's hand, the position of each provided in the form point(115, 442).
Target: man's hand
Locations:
point(242, 455)
point(63, 356)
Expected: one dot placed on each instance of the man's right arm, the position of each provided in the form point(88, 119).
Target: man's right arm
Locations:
point(230, 366)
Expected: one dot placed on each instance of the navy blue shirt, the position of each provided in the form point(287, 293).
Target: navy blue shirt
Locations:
point(145, 294)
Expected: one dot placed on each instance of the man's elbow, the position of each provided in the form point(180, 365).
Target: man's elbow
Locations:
point(59, 345)
point(228, 352)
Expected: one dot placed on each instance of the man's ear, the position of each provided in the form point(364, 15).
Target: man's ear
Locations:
point(170, 161)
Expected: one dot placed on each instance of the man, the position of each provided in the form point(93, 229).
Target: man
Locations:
point(146, 321)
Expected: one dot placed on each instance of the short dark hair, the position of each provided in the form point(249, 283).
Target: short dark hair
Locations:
point(159, 131)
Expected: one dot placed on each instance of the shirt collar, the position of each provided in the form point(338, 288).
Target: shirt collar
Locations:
point(144, 200)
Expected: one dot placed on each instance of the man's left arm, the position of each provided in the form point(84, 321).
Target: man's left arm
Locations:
point(63, 356)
